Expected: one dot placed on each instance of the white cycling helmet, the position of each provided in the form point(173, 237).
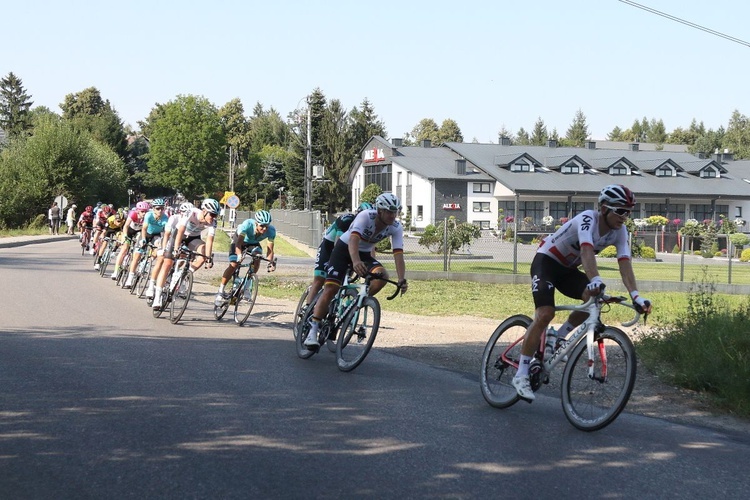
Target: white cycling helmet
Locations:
point(186, 207)
point(388, 201)
point(617, 196)
point(263, 217)
point(211, 206)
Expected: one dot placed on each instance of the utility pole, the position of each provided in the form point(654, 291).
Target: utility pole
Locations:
point(308, 160)
point(231, 169)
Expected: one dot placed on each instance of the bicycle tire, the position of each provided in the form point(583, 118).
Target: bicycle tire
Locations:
point(592, 404)
point(245, 301)
point(144, 277)
point(104, 262)
point(358, 332)
point(220, 311)
point(298, 311)
point(303, 329)
point(346, 298)
point(181, 297)
point(123, 273)
point(495, 372)
point(164, 302)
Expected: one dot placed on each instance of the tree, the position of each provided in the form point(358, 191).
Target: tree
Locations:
point(449, 132)
point(188, 148)
point(363, 124)
point(458, 235)
point(14, 106)
point(426, 129)
point(615, 135)
point(337, 156)
point(578, 131)
point(709, 142)
point(657, 132)
point(539, 134)
point(273, 160)
point(737, 136)
point(236, 128)
point(522, 138)
point(504, 133)
point(87, 111)
point(370, 193)
point(295, 174)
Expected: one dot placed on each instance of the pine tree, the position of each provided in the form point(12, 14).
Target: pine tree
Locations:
point(578, 131)
point(14, 106)
point(539, 135)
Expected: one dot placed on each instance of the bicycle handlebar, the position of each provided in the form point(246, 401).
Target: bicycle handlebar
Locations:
point(623, 301)
point(380, 276)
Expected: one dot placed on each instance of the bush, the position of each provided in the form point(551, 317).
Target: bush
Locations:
point(648, 252)
point(745, 255)
point(610, 251)
point(676, 249)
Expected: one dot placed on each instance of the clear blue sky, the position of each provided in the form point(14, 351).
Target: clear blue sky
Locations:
point(485, 64)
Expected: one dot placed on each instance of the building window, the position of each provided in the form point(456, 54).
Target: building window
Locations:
point(558, 209)
point(618, 169)
point(709, 173)
point(705, 212)
point(671, 211)
point(520, 166)
point(398, 178)
point(664, 171)
point(481, 187)
point(483, 224)
point(420, 212)
point(408, 178)
point(571, 168)
point(380, 175)
point(737, 212)
point(481, 206)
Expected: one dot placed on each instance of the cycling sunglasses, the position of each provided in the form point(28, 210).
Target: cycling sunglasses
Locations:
point(622, 212)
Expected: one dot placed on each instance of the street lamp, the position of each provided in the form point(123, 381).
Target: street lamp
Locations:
point(130, 193)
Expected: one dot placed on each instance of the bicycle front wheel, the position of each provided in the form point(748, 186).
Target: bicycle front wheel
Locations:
point(303, 328)
point(349, 296)
point(591, 402)
point(144, 277)
point(181, 297)
point(298, 313)
point(104, 262)
point(358, 332)
point(245, 301)
point(500, 361)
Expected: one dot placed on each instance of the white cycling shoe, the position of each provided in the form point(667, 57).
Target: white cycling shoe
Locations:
point(523, 388)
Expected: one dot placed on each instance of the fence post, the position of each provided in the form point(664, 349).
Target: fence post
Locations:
point(445, 245)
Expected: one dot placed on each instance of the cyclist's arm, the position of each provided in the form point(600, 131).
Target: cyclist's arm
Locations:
point(353, 246)
point(178, 237)
point(627, 274)
point(398, 259)
point(210, 249)
point(588, 261)
point(269, 250)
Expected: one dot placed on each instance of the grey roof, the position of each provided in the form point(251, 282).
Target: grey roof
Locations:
point(435, 163)
point(495, 158)
point(643, 146)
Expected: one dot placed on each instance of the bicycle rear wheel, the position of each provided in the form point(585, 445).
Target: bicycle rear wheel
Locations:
point(144, 276)
point(298, 313)
point(303, 328)
point(181, 297)
point(500, 361)
point(104, 262)
point(592, 403)
point(245, 300)
point(220, 311)
point(358, 332)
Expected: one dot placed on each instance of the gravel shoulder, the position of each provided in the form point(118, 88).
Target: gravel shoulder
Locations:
point(456, 343)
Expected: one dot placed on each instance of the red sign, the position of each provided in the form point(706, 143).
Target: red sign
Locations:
point(451, 206)
point(373, 155)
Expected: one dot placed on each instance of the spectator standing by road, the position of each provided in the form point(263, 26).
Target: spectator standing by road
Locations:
point(54, 218)
point(70, 220)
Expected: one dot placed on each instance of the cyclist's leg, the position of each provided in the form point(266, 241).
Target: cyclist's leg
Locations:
point(336, 269)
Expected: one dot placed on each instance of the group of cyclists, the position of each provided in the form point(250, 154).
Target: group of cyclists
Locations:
point(349, 244)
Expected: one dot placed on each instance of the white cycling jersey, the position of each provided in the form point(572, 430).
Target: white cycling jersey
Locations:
point(364, 226)
point(565, 244)
point(193, 226)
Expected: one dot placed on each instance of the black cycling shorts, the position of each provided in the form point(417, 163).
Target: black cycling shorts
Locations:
point(547, 275)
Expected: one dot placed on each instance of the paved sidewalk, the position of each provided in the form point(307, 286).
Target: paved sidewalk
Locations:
point(17, 241)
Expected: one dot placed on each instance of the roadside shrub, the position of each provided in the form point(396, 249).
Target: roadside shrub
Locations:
point(745, 255)
point(610, 251)
point(648, 252)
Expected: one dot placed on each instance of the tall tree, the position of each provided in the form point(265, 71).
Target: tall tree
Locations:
point(236, 128)
point(522, 138)
point(337, 151)
point(657, 132)
point(295, 174)
point(504, 132)
point(737, 136)
point(363, 124)
point(14, 106)
point(539, 134)
point(578, 131)
point(427, 128)
point(188, 148)
point(449, 132)
point(86, 110)
point(615, 135)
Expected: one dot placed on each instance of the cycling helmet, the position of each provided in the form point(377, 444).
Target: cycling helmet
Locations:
point(186, 207)
point(168, 211)
point(364, 206)
point(142, 206)
point(89, 208)
point(211, 206)
point(98, 203)
point(106, 210)
point(388, 201)
point(158, 202)
point(122, 213)
point(617, 196)
point(263, 217)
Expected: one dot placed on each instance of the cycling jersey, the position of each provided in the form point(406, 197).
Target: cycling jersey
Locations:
point(564, 246)
point(247, 229)
point(136, 220)
point(339, 227)
point(87, 218)
point(154, 224)
point(115, 223)
point(193, 226)
point(364, 226)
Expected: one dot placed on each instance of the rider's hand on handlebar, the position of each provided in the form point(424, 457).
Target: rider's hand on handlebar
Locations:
point(596, 285)
point(641, 305)
point(404, 286)
point(271, 266)
point(360, 268)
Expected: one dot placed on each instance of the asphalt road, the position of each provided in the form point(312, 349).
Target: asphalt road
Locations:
point(100, 400)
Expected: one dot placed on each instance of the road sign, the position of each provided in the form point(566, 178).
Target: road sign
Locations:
point(233, 201)
point(62, 201)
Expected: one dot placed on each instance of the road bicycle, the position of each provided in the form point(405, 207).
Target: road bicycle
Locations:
point(85, 239)
point(244, 289)
point(352, 321)
point(122, 275)
point(143, 270)
point(176, 294)
point(600, 365)
point(301, 309)
point(113, 244)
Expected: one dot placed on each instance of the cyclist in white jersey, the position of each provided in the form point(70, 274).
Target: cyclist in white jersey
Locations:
point(166, 245)
point(188, 232)
point(555, 266)
point(355, 248)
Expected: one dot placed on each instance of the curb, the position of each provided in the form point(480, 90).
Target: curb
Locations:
point(30, 240)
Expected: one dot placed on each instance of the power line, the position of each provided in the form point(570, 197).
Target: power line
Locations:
point(687, 23)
